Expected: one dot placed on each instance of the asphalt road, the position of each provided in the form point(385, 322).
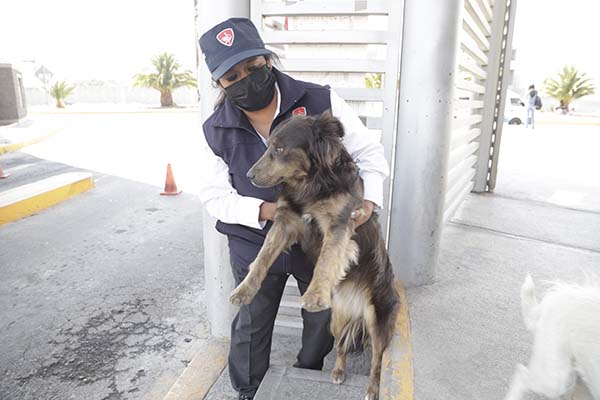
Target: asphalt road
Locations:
point(102, 296)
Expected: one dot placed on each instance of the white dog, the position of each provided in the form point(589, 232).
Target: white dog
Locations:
point(566, 324)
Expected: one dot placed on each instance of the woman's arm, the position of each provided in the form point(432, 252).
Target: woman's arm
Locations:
point(223, 202)
point(365, 148)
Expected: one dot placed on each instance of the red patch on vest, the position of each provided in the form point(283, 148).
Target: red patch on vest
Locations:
point(226, 37)
point(299, 111)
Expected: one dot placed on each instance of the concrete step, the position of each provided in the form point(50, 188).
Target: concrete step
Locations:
point(289, 318)
point(291, 287)
point(288, 325)
point(293, 383)
point(28, 199)
point(290, 306)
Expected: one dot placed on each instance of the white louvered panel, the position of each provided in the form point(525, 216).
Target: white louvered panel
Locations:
point(475, 32)
point(359, 94)
point(372, 122)
point(457, 194)
point(334, 8)
point(324, 36)
point(470, 47)
point(460, 153)
point(463, 136)
point(460, 170)
point(333, 65)
point(486, 6)
point(471, 104)
point(471, 87)
point(468, 65)
point(466, 121)
point(474, 8)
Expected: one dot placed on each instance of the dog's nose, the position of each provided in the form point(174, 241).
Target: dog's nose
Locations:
point(250, 175)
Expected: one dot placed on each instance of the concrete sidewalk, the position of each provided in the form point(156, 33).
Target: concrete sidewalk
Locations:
point(467, 329)
point(26, 132)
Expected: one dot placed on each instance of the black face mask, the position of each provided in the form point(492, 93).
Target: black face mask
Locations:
point(255, 91)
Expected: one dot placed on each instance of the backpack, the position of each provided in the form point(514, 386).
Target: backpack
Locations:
point(538, 102)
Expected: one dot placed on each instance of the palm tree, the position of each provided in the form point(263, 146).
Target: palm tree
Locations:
point(373, 81)
point(568, 86)
point(61, 91)
point(166, 78)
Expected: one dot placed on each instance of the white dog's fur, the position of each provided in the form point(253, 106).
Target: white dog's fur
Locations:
point(566, 325)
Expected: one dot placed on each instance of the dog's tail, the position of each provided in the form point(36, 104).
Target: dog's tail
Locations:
point(529, 303)
point(353, 337)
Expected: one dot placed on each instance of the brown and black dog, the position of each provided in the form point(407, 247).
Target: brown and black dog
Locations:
point(320, 191)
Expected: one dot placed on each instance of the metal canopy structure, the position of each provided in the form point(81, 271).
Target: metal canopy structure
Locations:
point(429, 76)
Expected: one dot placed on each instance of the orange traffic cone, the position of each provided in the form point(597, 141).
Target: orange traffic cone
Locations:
point(170, 185)
point(3, 174)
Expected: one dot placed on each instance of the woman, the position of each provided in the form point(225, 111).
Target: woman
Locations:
point(255, 98)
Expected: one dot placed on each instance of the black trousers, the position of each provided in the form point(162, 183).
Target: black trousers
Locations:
point(252, 330)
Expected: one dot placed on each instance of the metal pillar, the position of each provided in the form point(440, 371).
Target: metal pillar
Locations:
point(498, 71)
point(217, 270)
point(430, 43)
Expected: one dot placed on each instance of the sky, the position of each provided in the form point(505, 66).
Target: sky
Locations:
point(552, 33)
point(114, 39)
point(104, 40)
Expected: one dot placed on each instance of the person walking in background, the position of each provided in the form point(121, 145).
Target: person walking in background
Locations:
point(533, 103)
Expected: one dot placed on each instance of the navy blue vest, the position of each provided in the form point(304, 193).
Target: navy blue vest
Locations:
point(231, 137)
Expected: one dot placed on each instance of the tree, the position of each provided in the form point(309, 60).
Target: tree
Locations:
point(60, 91)
point(373, 80)
point(166, 78)
point(569, 85)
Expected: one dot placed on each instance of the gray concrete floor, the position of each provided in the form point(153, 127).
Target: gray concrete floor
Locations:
point(467, 330)
point(101, 296)
point(283, 354)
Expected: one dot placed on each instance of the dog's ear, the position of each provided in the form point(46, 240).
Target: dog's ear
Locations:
point(326, 144)
point(327, 124)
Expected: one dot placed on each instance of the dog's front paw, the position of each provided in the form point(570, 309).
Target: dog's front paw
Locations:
point(243, 294)
point(314, 301)
point(338, 376)
point(371, 395)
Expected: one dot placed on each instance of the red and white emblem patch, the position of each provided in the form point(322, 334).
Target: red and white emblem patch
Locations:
point(299, 111)
point(226, 37)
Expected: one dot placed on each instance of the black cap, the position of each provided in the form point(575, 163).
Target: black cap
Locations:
point(230, 42)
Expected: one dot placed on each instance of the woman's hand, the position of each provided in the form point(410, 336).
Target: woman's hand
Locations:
point(267, 211)
point(363, 214)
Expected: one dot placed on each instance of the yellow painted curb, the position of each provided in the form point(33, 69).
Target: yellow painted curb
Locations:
point(6, 148)
point(397, 372)
point(29, 199)
point(201, 374)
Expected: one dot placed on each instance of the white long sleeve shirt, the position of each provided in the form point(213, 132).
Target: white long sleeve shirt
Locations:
point(223, 202)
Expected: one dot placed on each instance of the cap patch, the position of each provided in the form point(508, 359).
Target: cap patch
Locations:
point(226, 37)
point(299, 111)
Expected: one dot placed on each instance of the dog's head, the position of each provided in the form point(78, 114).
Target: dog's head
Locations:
point(297, 148)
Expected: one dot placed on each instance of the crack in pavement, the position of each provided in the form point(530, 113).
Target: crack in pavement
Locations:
point(90, 353)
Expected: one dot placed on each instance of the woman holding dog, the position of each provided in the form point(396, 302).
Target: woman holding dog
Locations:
point(255, 98)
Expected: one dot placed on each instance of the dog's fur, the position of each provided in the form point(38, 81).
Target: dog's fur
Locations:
point(320, 189)
point(566, 324)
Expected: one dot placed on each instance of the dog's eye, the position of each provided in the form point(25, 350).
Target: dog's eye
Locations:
point(278, 150)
